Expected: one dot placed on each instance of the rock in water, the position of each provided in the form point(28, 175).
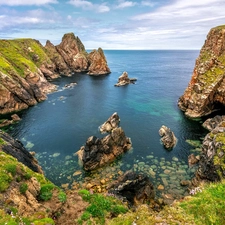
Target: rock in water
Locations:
point(206, 90)
point(168, 138)
point(110, 124)
point(124, 80)
point(135, 188)
point(97, 152)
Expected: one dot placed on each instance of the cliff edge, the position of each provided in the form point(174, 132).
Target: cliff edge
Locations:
point(206, 90)
point(26, 67)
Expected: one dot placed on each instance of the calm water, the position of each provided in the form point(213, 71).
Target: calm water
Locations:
point(63, 122)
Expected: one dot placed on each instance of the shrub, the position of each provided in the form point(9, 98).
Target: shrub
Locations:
point(23, 188)
point(62, 196)
point(11, 168)
point(46, 192)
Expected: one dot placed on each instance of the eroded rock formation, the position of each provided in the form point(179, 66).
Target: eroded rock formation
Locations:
point(134, 188)
point(206, 90)
point(16, 149)
point(26, 68)
point(98, 152)
point(168, 138)
point(124, 80)
point(211, 164)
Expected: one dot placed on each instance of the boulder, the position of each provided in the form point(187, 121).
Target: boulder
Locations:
point(98, 152)
point(134, 188)
point(192, 160)
point(168, 138)
point(124, 80)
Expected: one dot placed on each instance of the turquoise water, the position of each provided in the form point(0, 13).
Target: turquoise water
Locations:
point(56, 128)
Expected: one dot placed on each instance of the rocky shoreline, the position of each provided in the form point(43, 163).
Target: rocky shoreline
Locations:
point(26, 67)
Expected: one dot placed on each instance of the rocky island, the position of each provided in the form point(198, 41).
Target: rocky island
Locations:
point(26, 67)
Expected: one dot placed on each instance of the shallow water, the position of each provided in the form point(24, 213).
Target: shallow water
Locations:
point(56, 128)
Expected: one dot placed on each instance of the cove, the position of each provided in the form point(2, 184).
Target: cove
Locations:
point(56, 128)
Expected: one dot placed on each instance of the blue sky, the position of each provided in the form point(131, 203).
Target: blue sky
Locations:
point(115, 24)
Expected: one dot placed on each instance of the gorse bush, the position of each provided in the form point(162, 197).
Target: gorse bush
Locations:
point(100, 207)
point(46, 192)
point(23, 188)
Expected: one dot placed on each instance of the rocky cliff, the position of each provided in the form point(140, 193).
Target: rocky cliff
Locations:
point(206, 90)
point(26, 68)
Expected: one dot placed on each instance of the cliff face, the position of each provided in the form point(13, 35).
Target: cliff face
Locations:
point(26, 68)
point(206, 90)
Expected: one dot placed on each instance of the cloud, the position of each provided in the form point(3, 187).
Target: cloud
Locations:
point(125, 4)
point(87, 5)
point(148, 3)
point(26, 2)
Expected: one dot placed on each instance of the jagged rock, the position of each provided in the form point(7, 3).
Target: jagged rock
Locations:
point(192, 160)
point(168, 138)
point(73, 52)
point(124, 80)
point(99, 152)
point(27, 66)
point(211, 165)
point(16, 149)
point(98, 63)
point(206, 90)
point(134, 188)
point(15, 118)
point(212, 123)
point(111, 123)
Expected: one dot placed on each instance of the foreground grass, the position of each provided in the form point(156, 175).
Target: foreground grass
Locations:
point(205, 207)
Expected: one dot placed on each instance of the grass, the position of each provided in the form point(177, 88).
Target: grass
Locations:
point(46, 192)
point(207, 207)
point(23, 188)
point(100, 207)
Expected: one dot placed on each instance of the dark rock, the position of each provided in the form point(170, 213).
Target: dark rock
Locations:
point(124, 80)
point(134, 188)
point(212, 123)
point(16, 149)
point(99, 152)
point(168, 138)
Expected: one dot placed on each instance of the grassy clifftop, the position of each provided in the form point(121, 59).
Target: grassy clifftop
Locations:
point(20, 55)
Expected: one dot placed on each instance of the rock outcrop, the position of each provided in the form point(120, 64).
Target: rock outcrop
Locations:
point(206, 90)
point(124, 80)
point(98, 63)
point(168, 138)
point(133, 188)
point(212, 160)
point(26, 67)
point(16, 149)
point(98, 152)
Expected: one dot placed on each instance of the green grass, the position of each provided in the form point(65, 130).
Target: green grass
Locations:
point(207, 207)
point(100, 207)
point(23, 188)
point(46, 192)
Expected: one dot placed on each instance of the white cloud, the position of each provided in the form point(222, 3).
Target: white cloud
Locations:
point(148, 3)
point(125, 4)
point(87, 5)
point(26, 2)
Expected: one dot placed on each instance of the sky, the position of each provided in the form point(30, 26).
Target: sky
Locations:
point(115, 24)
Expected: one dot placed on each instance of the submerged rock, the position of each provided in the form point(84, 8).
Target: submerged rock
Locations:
point(100, 151)
point(134, 188)
point(124, 80)
point(168, 138)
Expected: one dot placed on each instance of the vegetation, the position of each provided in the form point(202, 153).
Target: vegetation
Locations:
point(62, 196)
point(23, 188)
point(100, 207)
point(46, 192)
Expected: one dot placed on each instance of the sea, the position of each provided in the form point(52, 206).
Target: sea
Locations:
point(56, 128)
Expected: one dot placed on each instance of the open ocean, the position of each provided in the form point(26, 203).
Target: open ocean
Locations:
point(56, 128)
